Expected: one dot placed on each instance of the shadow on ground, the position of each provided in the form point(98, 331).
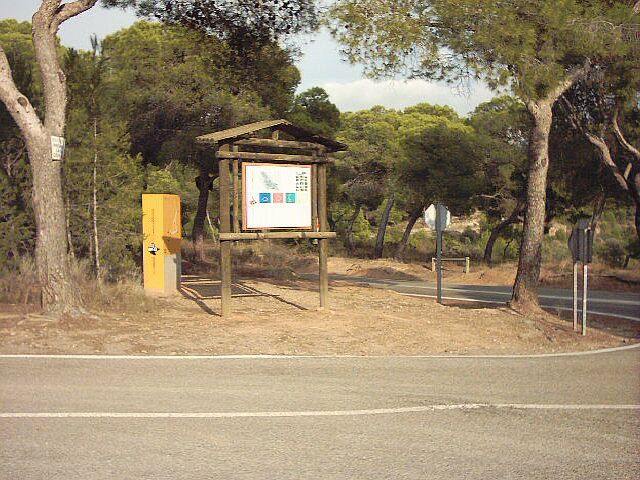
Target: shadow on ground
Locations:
point(199, 289)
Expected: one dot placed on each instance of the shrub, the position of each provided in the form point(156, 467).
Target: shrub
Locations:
point(612, 252)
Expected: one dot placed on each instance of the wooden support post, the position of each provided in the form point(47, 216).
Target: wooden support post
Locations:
point(236, 195)
point(225, 227)
point(314, 198)
point(575, 296)
point(467, 264)
point(324, 226)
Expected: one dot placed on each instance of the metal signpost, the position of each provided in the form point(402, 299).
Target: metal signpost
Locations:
point(438, 218)
point(581, 247)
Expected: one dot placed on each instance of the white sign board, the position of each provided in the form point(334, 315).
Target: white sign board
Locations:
point(57, 147)
point(276, 196)
point(430, 217)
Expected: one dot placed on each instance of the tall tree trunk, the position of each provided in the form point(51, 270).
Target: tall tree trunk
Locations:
point(59, 294)
point(635, 195)
point(382, 227)
point(96, 239)
point(413, 218)
point(497, 231)
point(525, 289)
point(203, 182)
point(213, 237)
point(349, 232)
point(634, 182)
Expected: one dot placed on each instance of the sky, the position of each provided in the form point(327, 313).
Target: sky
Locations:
point(320, 64)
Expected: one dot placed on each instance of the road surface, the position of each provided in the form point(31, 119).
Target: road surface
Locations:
point(621, 305)
point(562, 416)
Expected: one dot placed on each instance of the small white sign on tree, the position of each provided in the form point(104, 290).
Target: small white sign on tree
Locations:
point(57, 147)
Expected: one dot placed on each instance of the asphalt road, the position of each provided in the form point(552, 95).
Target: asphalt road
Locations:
point(570, 417)
point(622, 305)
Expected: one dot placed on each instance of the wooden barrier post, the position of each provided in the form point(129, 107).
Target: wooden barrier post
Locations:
point(324, 242)
point(236, 195)
point(314, 198)
point(225, 227)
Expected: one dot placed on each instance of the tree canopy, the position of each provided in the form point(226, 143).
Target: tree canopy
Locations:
point(242, 23)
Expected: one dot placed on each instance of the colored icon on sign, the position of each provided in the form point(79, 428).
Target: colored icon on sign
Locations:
point(291, 198)
point(278, 197)
point(265, 198)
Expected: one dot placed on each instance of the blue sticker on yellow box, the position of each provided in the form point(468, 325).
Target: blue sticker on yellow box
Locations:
point(291, 198)
point(265, 198)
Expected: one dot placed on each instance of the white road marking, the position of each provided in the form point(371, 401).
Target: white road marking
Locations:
point(35, 356)
point(495, 302)
point(317, 413)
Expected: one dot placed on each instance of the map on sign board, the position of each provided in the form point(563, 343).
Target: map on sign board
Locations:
point(276, 196)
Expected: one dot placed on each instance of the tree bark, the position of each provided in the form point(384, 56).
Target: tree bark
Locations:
point(413, 218)
point(634, 183)
point(96, 238)
point(525, 289)
point(59, 293)
point(635, 195)
point(497, 231)
point(203, 182)
point(349, 232)
point(382, 228)
point(605, 156)
point(621, 138)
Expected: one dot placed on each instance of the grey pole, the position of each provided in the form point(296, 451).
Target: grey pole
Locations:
point(575, 296)
point(439, 252)
point(585, 268)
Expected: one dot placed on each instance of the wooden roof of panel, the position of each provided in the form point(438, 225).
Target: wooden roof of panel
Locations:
point(298, 133)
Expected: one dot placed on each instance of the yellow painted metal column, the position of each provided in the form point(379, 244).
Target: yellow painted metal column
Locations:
point(162, 232)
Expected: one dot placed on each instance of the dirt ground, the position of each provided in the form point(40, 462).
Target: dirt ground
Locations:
point(283, 318)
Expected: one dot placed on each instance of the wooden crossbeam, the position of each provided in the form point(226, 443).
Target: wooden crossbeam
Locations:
point(268, 142)
point(275, 235)
point(271, 157)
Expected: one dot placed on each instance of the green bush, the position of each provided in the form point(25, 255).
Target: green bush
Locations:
point(612, 252)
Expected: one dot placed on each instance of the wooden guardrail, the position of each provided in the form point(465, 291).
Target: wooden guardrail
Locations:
point(466, 260)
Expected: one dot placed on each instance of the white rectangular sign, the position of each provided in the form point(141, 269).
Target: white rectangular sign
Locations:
point(57, 147)
point(276, 196)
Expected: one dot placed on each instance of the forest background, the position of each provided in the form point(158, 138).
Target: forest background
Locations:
point(139, 98)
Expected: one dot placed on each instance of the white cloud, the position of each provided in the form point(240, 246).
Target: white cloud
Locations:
point(364, 93)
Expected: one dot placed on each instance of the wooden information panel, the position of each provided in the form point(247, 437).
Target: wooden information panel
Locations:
point(276, 196)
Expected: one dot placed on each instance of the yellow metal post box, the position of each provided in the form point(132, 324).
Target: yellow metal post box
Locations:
point(162, 232)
